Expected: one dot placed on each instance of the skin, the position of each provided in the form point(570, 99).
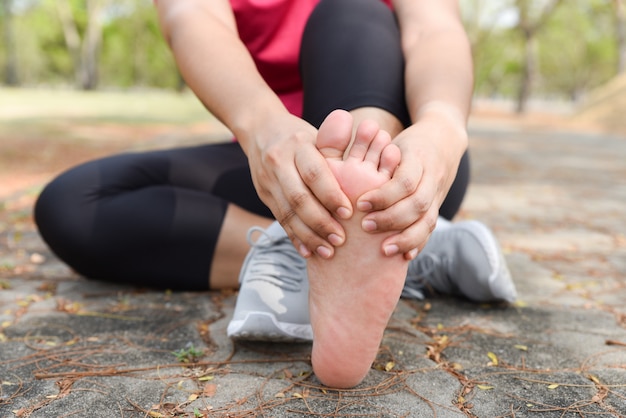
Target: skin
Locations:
point(352, 296)
point(290, 174)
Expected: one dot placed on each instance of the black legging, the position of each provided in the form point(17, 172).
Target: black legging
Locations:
point(153, 218)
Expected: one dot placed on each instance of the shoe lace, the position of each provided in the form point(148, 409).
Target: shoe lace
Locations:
point(276, 261)
point(426, 274)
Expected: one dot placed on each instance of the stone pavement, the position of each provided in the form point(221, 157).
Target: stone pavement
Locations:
point(556, 201)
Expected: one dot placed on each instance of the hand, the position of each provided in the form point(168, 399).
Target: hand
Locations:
point(409, 203)
point(293, 179)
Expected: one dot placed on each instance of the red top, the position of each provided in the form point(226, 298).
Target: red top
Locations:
point(272, 32)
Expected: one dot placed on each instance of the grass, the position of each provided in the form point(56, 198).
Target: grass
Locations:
point(19, 106)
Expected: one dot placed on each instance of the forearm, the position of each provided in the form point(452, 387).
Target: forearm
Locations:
point(217, 66)
point(439, 70)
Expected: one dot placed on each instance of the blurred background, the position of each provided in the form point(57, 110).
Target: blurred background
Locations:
point(559, 50)
point(84, 78)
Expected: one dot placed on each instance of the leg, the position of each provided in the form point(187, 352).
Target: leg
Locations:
point(351, 58)
point(232, 247)
point(353, 295)
point(152, 219)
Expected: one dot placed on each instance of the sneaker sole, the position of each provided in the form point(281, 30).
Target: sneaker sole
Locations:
point(262, 326)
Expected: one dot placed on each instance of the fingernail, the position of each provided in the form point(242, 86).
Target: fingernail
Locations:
point(413, 253)
point(304, 251)
point(324, 252)
point(335, 239)
point(368, 225)
point(344, 213)
point(391, 249)
point(364, 206)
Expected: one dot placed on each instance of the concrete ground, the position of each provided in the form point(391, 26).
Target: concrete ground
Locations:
point(556, 201)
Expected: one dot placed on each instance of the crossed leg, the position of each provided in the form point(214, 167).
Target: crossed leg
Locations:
point(352, 296)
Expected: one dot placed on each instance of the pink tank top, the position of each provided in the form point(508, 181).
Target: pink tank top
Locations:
point(272, 32)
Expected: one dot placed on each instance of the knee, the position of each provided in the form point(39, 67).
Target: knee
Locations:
point(352, 6)
point(63, 217)
point(361, 21)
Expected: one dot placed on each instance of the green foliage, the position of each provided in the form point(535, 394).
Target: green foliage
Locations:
point(189, 354)
point(134, 52)
point(576, 50)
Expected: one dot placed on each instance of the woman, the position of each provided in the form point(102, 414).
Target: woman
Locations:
point(272, 71)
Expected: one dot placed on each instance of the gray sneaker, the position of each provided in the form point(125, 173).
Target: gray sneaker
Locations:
point(273, 300)
point(462, 259)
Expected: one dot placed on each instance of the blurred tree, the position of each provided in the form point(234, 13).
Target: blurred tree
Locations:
point(576, 52)
point(83, 48)
point(144, 61)
point(8, 33)
point(533, 16)
point(620, 18)
point(496, 49)
point(547, 47)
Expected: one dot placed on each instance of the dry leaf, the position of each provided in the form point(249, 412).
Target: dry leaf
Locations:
point(594, 379)
point(389, 366)
point(493, 358)
point(553, 386)
point(521, 347)
point(210, 389)
point(484, 387)
point(192, 397)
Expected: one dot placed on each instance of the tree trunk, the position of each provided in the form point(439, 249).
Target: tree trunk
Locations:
point(71, 35)
point(528, 72)
point(530, 27)
point(85, 51)
point(620, 17)
point(92, 42)
point(10, 71)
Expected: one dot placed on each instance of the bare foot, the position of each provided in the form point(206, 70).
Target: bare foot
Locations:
point(353, 295)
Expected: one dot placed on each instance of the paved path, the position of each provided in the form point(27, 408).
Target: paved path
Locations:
point(556, 201)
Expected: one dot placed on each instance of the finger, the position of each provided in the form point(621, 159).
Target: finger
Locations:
point(403, 184)
point(320, 182)
point(395, 218)
point(305, 239)
point(412, 238)
point(306, 216)
point(312, 245)
point(404, 213)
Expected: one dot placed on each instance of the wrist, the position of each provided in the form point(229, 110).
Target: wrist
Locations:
point(257, 123)
point(447, 121)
